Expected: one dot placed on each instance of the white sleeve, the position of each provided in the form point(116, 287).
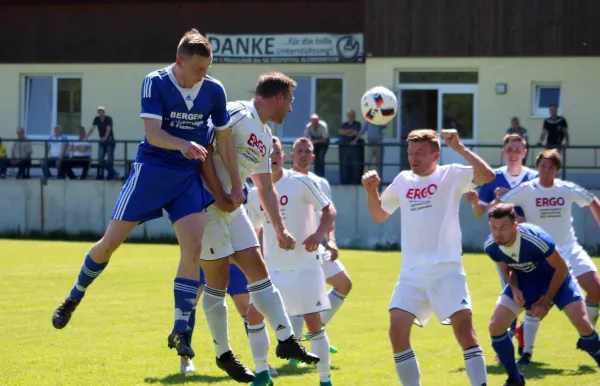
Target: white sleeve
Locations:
point(390, 198)
point(311, 193)
point(253, 209)
point(579, 195)
point(464, 175)
point(264, 165)
point(515, 195)
point(326, 188)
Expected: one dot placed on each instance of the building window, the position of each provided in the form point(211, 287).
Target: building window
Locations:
point(323, 95)
point(545, 95)
point(49, 101)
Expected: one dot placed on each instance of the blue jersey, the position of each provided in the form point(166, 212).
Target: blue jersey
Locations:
point(504, 180)
point(184, 114)
point(528, 254)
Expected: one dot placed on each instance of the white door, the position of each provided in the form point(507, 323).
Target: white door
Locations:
point(457, 109)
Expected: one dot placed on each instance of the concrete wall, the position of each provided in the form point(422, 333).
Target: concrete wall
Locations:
point(76, 207)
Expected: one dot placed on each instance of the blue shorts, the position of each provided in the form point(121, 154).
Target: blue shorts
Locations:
point(567, 293)
point(151, 188)
point(238, 284)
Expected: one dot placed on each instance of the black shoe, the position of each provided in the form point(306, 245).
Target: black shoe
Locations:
point(63, 313)
point(234, 368)
point(292, 349)
point(512, 382)
point(580, 345)
point(180, 341)
point(524, 360)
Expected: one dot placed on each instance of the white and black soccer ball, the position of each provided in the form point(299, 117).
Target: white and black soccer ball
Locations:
point(379, 105)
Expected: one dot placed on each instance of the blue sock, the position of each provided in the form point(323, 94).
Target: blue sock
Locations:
point(89, 271)
point(186, 292)
point(191, 324)
point(591, 344)
point(503, 346)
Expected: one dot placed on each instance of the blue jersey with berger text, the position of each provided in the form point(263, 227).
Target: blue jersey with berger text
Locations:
point(528, 254)
point(184, 114)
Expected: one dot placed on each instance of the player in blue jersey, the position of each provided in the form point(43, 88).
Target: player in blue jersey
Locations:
point(538, 278)
point(176, 103)
point(513, 174)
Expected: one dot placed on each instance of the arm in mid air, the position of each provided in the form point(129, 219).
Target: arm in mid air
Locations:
point(374, 205)
point(269, 199)
point(209, 175)
point(482, 172)
point(228, 151)
point(477, 206)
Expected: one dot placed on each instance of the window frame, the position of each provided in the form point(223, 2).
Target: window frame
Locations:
point(313, 101)
point(24, 104)
point(542, 112)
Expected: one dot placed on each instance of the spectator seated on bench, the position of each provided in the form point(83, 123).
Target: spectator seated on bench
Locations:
point(81, 155)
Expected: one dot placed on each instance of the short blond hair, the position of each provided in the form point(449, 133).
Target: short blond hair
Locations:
point(271, 84)
point(194, 43)
point(303, 140)
point(277, 141)
point(550, 154)
point(425, 135)
point(508, 138)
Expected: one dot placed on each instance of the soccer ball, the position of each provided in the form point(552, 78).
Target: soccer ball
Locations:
point(379, 105)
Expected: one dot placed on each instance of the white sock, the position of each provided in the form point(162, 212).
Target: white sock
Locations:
point(259, 345)
point(215, 310)
point(475, 365)
point(336, 300)
point(531, 326)
point(407, 368)
point(267, 300)
point(592, 311)
point(319, 344)
point(297, 325)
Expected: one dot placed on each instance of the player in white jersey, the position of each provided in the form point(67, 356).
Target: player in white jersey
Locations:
point(335, 272)
point(432, 278)
point(547, 202)
point(230, 236)
point(296, 273)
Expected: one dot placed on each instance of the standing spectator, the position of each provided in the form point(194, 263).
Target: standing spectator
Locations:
point(349, 159)
point(374, 147)
point(20, 154)
point(106, 147)
point(57, 151)
point(516, 128)
point(555, 130)
point(3, 160)
point(81, 155)
point(318, 133)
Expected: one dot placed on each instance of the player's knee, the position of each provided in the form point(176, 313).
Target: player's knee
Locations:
point(192, 248)
point(593, 292)
point(344, 286)
point(103, 249)
point(495, 328)
point(254, 317)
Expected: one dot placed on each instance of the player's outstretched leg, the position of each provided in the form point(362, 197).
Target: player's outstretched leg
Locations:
point(407, 366)
point(502, 342)
point(267, 300)
point(342, 285)
point(590, 283)
point(589, 339)
point(189, 230)
point(94, 264)
point(462, 323)
point(529, 330)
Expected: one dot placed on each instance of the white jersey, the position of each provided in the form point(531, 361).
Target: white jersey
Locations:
point(430, 229)
point(550, 208)
point(254, 142)
point(299, 197)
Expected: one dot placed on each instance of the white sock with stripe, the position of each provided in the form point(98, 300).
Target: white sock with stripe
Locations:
point(407, 368)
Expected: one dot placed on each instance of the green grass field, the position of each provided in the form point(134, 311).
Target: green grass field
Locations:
point(118, 334)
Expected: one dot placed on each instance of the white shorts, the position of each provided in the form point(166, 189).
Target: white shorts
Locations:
point(506, 301)
point(578, 259)
point(443, 292)
point(330, 268)
point(302, 291)
point(226, 233)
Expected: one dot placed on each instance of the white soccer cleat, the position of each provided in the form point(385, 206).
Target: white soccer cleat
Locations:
point(186, 366)
point(273, 372)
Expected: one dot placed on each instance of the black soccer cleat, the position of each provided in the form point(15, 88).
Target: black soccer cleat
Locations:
point(580, 345)
point(524, 360)
point(63, 313)
point(179, 340)
point(234, 368)
point(513, 382)
point(292, 349)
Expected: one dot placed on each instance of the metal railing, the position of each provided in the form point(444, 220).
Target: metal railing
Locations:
point(125, 151)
